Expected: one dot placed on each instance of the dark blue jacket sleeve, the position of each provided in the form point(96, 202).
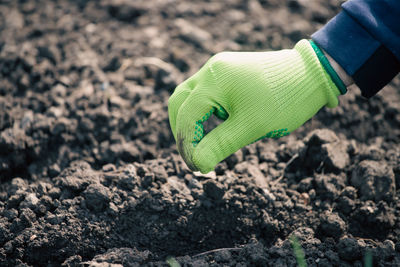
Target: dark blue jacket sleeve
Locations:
point(364, 38)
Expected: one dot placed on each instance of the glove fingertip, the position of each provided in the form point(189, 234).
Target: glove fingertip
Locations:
point(204, 160)
point(185, 151)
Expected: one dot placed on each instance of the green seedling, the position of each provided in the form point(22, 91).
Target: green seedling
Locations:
point(172, 262)
point(298, 251)
point(368, 259)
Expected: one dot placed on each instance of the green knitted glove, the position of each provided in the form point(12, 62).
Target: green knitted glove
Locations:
point(258, 94)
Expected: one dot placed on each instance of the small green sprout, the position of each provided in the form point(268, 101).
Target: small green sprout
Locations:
point(172, 262)
point(368, 259)
point(298, 251)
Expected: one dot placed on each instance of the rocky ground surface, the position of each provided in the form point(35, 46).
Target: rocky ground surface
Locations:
point(89, 171)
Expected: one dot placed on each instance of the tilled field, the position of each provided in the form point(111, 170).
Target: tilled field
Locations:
point(89, 170)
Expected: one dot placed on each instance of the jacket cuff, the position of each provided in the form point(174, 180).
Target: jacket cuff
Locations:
point(366, 60)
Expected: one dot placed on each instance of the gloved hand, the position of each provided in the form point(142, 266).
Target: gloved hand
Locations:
point(258, 94)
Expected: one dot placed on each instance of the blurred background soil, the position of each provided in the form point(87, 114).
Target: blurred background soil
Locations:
point(89, 171)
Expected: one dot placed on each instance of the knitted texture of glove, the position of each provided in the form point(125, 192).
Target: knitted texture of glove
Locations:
point(258, 94)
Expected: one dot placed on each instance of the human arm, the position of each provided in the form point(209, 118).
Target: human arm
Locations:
point(364, 40)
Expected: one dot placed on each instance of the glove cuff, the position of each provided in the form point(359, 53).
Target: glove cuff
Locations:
point(318, 73)
point(328, 68)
